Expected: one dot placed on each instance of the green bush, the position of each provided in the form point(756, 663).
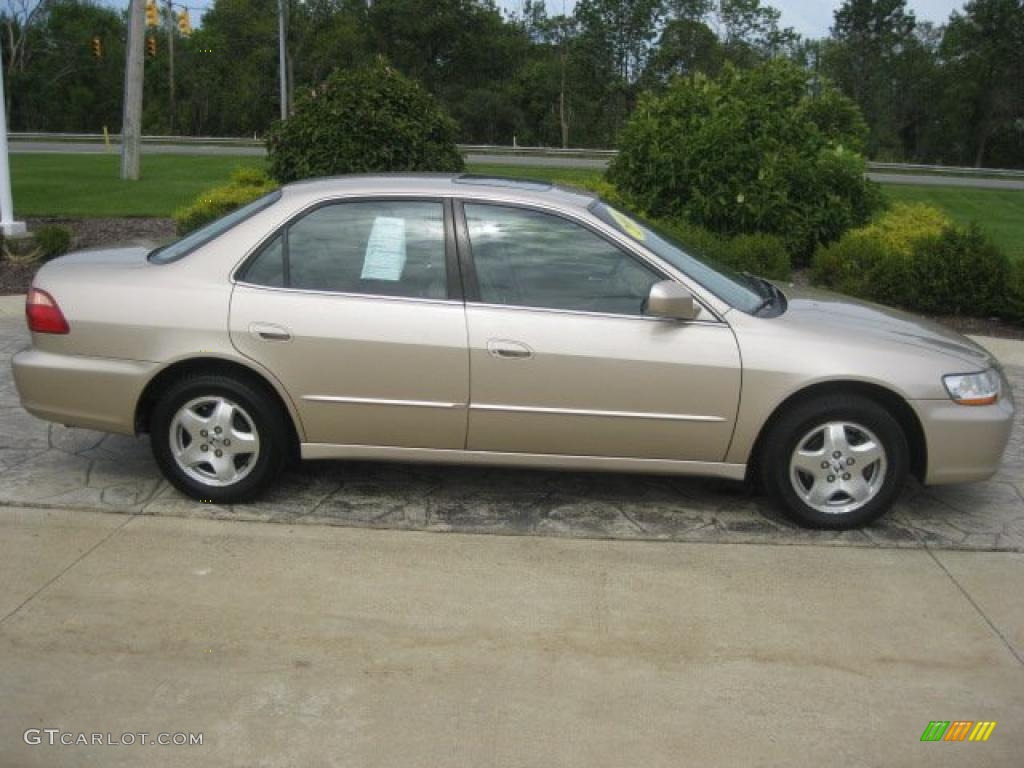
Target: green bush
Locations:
point(866, 266)
point(246, 185)
point(761, 254)
point(52, 241)
point(876, 261)
point(745, 153)
point(1014, 306)
point(906, 223)
point(915, 257)
point(959, 272)
point(365, 120)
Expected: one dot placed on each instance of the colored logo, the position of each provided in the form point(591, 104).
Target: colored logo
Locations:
point(958, 730)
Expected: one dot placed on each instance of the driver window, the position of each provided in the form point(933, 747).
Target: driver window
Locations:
point(530, 259)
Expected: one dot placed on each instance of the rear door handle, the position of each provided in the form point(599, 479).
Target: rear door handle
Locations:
point(270, 332)
point(503, 349)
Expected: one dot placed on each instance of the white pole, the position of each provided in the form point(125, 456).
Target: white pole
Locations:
point(8, 225)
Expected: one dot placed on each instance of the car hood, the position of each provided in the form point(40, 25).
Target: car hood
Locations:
point(829, 313)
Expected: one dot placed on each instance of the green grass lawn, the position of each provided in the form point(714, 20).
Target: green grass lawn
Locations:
point(87, 185)
point(999, 212)
point(564, 175)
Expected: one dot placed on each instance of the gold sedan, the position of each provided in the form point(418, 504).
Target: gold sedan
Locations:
point(486, 321)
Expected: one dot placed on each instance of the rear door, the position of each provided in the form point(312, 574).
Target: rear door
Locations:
point(563, 359)
point(355, 306)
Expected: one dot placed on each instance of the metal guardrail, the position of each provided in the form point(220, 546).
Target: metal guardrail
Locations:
point(115, 138)
point(949, 170)
point(485, 149)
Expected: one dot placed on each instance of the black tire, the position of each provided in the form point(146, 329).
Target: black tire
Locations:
point(262, 409)
point(791, 427)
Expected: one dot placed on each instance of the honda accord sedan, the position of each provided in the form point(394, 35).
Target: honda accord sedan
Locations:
point(439, 318)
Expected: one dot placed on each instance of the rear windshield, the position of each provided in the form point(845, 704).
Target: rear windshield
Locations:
point(203, 235)
point(736, 290)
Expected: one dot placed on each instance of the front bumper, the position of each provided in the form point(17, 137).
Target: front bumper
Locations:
point(964, 443)
point(91, 392)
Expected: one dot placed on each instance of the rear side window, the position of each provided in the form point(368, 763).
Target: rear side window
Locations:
point(181, 248)
point(382, 248)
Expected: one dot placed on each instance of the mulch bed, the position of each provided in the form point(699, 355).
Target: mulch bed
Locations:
point(87, 233)
point(96, 233)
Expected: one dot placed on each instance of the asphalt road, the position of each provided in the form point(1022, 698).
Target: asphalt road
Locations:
point(60, 147)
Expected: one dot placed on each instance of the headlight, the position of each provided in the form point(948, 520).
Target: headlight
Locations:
point(973, 388)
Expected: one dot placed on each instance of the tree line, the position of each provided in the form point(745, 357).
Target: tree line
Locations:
point(940, 93)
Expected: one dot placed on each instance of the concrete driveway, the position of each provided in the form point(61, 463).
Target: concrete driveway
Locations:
point(305, 645)
point(50, 465)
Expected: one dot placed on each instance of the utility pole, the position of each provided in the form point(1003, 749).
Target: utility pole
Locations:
point(8, 226)
point(282, 31)
point(131, 120)
point(170, 59)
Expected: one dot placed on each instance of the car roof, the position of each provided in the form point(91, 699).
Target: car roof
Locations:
point(444, 185)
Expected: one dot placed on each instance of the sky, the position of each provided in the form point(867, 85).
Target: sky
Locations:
point(811, 18)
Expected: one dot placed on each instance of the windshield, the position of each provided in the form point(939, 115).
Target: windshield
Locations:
point(203, 235)
point(739, 291)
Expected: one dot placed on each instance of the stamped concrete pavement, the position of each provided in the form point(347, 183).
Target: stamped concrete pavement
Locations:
point(51, 465)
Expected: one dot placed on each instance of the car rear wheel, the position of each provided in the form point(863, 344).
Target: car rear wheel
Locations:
point(218, 438)
point(836, 462)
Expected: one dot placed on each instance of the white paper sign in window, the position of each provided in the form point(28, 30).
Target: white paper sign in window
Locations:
point(385, 250)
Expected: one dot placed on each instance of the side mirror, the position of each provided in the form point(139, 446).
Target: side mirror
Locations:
point(671, 300)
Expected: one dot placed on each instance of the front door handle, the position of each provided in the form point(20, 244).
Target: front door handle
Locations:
point(270, 332)
point(503, 349)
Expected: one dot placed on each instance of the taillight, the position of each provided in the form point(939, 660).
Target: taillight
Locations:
point(43, 314)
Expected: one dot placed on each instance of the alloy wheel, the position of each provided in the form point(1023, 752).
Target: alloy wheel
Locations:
point(214, 441)
point(838, 467)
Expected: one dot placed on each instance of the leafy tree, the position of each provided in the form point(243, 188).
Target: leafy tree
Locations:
point(746, 153)
point(364, 120)
point(54, 81)
point(867, 41)
point(686, 46)
point(984, 48)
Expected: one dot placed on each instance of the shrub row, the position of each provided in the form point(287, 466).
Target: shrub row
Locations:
point(246, 185)
point(913, 256)
point(916, 258)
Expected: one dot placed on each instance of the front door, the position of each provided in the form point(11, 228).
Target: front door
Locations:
point(563, 360)
point(349, 307)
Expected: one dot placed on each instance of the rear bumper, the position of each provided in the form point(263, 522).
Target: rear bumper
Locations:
point(92, 392)
point(965, 444)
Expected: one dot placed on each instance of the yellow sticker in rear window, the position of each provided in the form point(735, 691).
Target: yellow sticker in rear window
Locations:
point(629, 226)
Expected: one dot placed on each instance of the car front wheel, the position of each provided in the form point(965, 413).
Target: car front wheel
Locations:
point(836, 462)
point(217, 438)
